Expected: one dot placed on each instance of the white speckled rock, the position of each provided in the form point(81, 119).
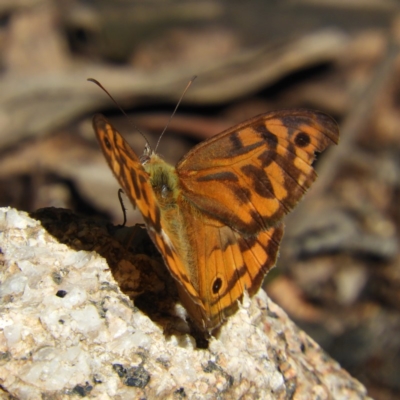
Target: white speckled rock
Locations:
point(80, 335)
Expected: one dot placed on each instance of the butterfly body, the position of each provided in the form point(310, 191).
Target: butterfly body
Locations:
point(216, 216)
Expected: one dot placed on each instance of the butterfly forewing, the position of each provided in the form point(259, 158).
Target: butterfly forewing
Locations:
point(127, 169)
point(251, 175)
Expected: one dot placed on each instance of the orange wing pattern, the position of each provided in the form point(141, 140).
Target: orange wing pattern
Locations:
point(128, 170)
point(253, 174)
point(226, 264)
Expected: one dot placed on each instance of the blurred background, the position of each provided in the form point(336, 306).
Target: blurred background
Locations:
point(338, 275)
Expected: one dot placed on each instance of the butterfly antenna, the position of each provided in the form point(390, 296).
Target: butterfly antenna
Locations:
point(176, 108)
point(123, 112)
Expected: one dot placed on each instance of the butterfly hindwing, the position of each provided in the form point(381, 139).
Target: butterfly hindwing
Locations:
point(227, 264)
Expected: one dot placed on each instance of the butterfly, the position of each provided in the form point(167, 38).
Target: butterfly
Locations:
point(216, 217)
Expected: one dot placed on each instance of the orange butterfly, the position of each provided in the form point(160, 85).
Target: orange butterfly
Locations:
point(216, 217)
